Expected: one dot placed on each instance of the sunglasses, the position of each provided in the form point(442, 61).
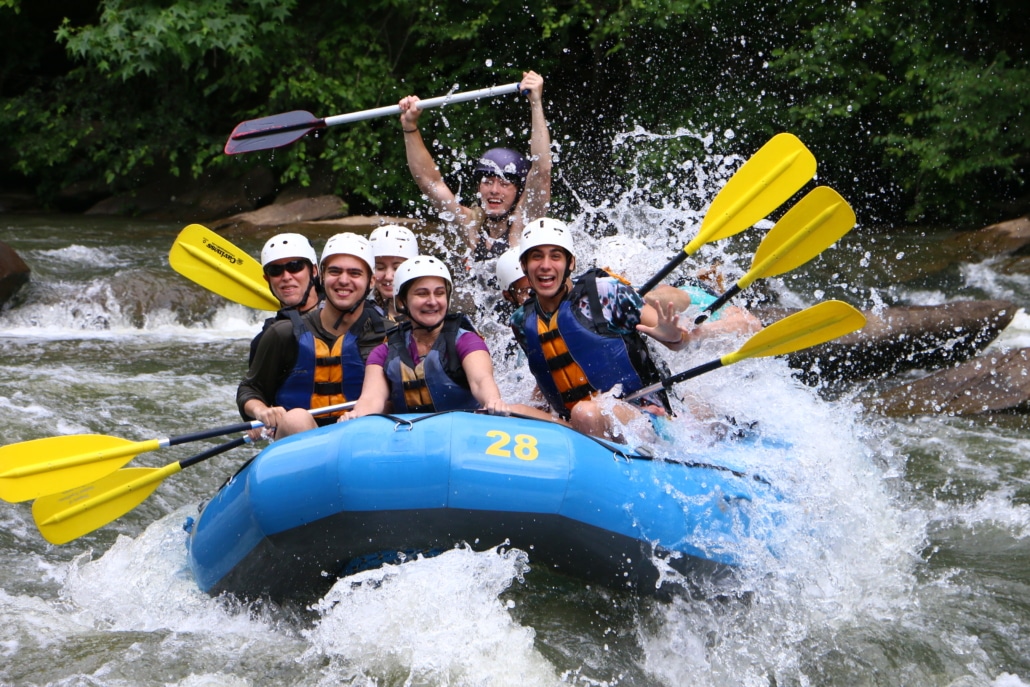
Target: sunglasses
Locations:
point(293, 266)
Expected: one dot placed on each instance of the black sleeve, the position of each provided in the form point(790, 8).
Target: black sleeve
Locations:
point(275, 356)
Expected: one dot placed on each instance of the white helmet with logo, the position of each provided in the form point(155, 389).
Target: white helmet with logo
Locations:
point(393, 240)
point(420, 266)
point(509, 269)
point(546, 232)
point(349, 244)
point(287, 246)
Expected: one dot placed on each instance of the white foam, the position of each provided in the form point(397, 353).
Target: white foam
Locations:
point(462, 633)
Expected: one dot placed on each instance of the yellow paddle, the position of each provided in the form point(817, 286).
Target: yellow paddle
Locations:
point(810, 327)
point(210, 260)
point(62, 517)
point(73, 513)
point(763, 183)
point(31, 469)
point(809, 228)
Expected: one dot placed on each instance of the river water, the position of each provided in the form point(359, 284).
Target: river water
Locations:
point(904, 558)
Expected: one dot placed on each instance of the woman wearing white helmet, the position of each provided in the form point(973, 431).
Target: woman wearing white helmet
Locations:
point(391, 246)
point(317, 359)
point(291, 269)
point(434, 361)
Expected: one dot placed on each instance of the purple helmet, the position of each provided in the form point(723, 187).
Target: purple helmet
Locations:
point(503, 162)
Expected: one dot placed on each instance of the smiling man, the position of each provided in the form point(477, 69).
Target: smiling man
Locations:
point(584, 337)
point(290, 267)
point(317, 359)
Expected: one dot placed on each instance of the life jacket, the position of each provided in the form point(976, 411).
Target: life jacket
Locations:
point(438, 382)
point(573, 357)
point(325, 375)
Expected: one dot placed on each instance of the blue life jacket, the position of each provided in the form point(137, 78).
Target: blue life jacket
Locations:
point(324, 376)
point(604, 357)
point(438, 382)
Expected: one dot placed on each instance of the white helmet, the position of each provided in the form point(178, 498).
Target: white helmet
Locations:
point(349, 244)
point(546, 232)
point(509, 269)
point(420, 266)
point(287, 246)
point(393, 240)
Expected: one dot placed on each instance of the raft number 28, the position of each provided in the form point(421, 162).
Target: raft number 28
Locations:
point(524, 446)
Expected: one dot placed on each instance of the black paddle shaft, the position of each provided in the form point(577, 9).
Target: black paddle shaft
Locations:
point(211, 452)
point(717, 303)
point(663, 273)
point(209, 433)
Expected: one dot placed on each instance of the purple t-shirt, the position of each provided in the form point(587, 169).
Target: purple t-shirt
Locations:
point(466, 343)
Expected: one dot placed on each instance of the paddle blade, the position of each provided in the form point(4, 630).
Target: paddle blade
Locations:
point(71, 514)
point(210, 260)
point(810, 327)
point(275, 131)
point(810, 227)
point(762, 184)
point(46, 466)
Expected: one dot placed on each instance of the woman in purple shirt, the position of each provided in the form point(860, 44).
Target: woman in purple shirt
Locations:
point(435, 361)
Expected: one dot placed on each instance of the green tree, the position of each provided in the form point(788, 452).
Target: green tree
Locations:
point(913, 109)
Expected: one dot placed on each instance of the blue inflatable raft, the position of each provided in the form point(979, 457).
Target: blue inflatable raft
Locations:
point(315, 506)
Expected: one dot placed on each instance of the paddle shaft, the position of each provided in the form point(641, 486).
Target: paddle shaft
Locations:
point(377, 112)
point(127, 450)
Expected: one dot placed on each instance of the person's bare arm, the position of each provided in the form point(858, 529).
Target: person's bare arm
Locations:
point(427, 174)
point(661, 323)
point(375, 392)
point(536, 198)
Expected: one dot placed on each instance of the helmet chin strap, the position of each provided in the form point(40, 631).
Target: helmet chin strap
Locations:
point(312, 284)
point(357, 304)
point(418, 325)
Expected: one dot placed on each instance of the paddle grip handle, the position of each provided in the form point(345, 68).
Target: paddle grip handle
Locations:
point(717, 303)
point(663, 273)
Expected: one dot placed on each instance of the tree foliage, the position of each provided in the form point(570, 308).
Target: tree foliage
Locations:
point(915, 109)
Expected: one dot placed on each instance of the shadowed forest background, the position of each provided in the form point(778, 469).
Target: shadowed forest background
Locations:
point(917, 110)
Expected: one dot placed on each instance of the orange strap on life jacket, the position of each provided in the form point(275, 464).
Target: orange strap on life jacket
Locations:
point(328, 388)
point(568, 376)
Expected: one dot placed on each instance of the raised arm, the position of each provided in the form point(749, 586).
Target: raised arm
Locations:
point(661, 324)
point(421, 164)
point(536, 200)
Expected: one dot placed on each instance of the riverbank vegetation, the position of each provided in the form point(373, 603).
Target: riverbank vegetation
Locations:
point(917, 110)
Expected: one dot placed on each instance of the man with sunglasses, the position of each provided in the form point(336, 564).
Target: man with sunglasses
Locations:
point(317, 359)
point(290, 268)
